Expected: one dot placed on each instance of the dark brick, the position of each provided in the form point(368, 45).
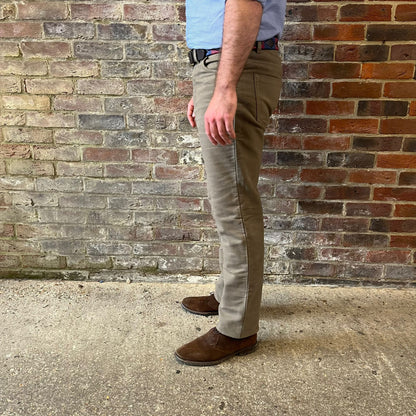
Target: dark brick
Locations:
point(126, 69)
point(391, 32)
point(309, 52)
point(120, 31)
point(407, 178)
point(98, 50)
point(351, 160)
point(155, 51)
point(299, 159)
point(300, 125)
point(362, 53)
point(409, 145)
point(366, 240)
point(382, 108)
point(347, 192)
point(320, 207)
point(306, 89)
point(101, 122)
point(392, 143)
point(403, 52)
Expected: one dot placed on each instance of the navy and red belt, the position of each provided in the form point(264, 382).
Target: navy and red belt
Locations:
point(197, 55)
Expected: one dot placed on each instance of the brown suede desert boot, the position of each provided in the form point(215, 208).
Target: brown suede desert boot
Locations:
point(214, 348)
point(201, 305)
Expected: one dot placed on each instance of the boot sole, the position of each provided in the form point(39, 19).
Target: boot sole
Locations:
point(197, 312)
point(244, 351)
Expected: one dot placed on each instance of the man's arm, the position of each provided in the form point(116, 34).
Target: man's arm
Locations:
point(241, 25)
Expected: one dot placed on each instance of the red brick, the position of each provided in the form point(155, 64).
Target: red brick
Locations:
point(355, 225)
point(356, 90)
point(405, 210)
point(326, 143)
point(388, 71)
point(339, 32)
point(406, 12)
point(334, 70)
point(170, 157)
point(394, 194)
point(368, 126)
point(15, 151)
point(372, 176)
point(365, 12)
point(362, 53)
point(388, 256)
point(398, 126)
point(347, 192)
point(50, 119)
point(330, 107)
point(400, 89)
point(404, 241)
point(127, 171)
point(100, 154)
point(407, 178)
point(323, 175)
point(168, 32)
point(412, 108)
point(277, 174)
point(396, 161)
point(20, 30)
point(96, 11)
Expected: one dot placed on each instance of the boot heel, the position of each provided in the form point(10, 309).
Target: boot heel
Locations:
point(247, 350)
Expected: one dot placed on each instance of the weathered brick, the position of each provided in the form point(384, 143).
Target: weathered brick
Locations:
point(49, 86)
point(74, 68)
point(42, 11)
point(326, 143)
point(21, 30)
point(30, 168)
point(405, 210)
point(143, 12)
point(126, 69)
point(334, 70)
point(46, 49)
point(121, 31)
point(396, 161)
point(323, 175)
point(150, 87)
point(351, 160)
point(347, 192)
point(154, 51)
point(9, 49)
point(366, 240)
point(101, 154)
point(78, 137)
point(305, 89)
point(355, 225)
point(394, 194)
point(320, 207)
point(27, 135)
point(67, 153)
point(100, 87)
point(310, 13)
point(101, 122)
point(25, 102)
point(96, 11)
point(403, 52)
point(368, 209)
point(74, 103)
point(25, 67)
point(309, 52)
point(69, 30)
point(98, 50)
point(10, 85)
point(168, 32)
point(50, 120)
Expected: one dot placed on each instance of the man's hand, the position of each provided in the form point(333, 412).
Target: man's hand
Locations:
point(241, 24)
point(190, 113)
point(219, 117)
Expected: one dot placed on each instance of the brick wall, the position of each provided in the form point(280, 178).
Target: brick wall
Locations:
point(101, 176)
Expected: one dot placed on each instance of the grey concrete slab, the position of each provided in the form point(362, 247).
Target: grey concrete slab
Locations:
point(88, 348)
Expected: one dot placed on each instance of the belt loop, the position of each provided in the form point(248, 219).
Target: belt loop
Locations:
point(258, 46)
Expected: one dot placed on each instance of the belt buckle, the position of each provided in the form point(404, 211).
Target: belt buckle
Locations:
point(196, 55)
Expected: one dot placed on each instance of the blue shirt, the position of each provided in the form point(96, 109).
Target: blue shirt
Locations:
point(205, 20)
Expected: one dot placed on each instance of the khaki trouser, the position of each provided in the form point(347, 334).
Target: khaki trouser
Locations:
point(232, 176)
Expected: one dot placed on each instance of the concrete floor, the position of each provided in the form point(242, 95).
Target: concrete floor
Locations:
point(86, 348)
